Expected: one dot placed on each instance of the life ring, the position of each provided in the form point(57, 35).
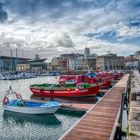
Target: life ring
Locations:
point(77, 90)
point(18, 96)
point(52, 91)
point(5, 100)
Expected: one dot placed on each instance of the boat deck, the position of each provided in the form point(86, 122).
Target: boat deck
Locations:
point(100, 122)
point(63, 87)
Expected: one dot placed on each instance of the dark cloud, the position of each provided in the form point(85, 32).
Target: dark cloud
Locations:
point(54, 8)
point(3, 13)
point(65, 41)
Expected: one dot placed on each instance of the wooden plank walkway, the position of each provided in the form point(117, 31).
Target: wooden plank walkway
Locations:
point(77, 106)
point(99, 122)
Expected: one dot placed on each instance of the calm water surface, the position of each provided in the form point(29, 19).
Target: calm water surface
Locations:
point(16, 126)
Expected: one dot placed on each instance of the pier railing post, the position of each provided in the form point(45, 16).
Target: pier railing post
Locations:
point(124, 102)
point(120, 119)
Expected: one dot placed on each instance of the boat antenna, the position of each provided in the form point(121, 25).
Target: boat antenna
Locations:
point(16, 56)
point(10, 88)
point(11, 60)
point(9, 91)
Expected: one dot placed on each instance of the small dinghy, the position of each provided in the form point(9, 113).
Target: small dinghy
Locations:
point(29, 106)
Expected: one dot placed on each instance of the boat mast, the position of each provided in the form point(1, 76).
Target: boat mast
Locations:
point(16, 57)
point(11, 68)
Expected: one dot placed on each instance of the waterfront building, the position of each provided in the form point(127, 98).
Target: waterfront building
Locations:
point(49, 66)
point(76, 63)
point(38, 64)
point(66, 61)
point(86, 52)
point(8, 64)
point(110, 62)
point(73, 61)
point(90, 64)
point(131, 62)
point(59, 63)
point(22, 67)
point(137, 55)
point(55, 63)
point(90, 60)
point(63, 63)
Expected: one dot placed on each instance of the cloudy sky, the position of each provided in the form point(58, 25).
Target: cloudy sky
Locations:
point(52, 27)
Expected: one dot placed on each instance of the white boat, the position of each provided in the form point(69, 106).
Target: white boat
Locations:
point(28, 106)
point(31, 107)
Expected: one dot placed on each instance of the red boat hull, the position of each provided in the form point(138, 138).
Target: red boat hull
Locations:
point(105, 84)
point(65, 93)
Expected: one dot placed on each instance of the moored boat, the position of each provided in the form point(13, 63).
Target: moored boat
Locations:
point(29, 106)
point(65, 90)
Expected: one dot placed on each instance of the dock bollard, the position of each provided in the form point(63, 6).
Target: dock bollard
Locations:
point(133, 96)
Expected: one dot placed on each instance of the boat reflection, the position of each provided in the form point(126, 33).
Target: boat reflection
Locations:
point(88, 100)
point(25, 118)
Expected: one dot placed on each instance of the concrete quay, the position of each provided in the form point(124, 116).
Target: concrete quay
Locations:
point(134, 108)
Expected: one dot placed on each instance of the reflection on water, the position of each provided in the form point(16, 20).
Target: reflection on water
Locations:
point(88, 100)
point(35, 119)
point(72, 113)
point(16, 126)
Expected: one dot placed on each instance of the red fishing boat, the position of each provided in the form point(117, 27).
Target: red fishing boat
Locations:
point(67, 90)
point(103, 83)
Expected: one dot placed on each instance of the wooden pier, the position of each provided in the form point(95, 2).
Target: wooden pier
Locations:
point(77, 106)
point(101, 120)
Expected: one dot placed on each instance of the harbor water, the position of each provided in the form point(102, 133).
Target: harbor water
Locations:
point(16, 126)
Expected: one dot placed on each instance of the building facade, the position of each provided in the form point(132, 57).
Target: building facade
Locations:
point(38, 64)
point(63, 63)
point(75, 61)
point(55, 63)
point(137, 55)
point(86, 52)
point(60, 63)
point(90, 64)
point(131, 62)
point(76, 64)
point(22, 67)
point(8, 64)
point(110, 62)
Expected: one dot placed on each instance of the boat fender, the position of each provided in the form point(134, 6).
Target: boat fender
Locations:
point(77, 90)
point(51, 91)
point(18, 96)
point(69, 89)
point(62, 84)
point(5, 100)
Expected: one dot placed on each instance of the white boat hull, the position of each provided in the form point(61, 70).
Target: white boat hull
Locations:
point(32, 110)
